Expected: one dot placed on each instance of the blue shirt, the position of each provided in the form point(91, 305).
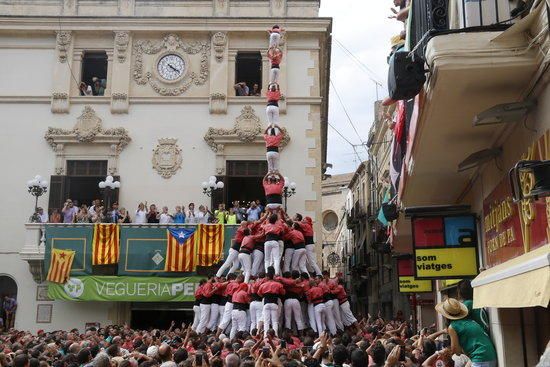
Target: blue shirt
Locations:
point(179, 218)
point(254, 213)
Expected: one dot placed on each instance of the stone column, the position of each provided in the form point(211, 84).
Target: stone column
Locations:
point(231, 71)
point(61, 77)
point(119, 73)
point(219, 73)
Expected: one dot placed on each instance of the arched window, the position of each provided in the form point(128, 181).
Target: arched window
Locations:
point(8, 287)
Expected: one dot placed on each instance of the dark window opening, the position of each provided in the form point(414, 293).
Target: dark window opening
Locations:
point(248, 73)
point(86, 168)
point(94, 73)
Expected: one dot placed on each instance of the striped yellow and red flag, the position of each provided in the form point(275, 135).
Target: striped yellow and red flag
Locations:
point(180, 249)
point(209, 244)
point(106, 244)
point(60, 265)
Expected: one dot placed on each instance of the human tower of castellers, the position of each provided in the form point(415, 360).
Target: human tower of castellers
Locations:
point(260, 296)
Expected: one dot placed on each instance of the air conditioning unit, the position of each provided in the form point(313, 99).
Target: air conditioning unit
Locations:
point(475, 13)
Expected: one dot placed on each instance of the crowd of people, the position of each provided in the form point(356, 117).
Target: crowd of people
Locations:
point(370, 342)
point(72, 212)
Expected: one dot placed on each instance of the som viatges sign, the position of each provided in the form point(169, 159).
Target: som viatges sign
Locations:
point(122, 288)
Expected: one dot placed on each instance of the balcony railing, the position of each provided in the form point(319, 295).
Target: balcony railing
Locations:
point(140, 243)
point(428, 18)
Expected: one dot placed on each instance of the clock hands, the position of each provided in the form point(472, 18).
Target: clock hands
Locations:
point(173, 68)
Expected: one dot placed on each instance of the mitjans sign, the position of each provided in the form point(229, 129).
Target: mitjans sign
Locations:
point(445, 246)
point(125, 289)
point(512, 229)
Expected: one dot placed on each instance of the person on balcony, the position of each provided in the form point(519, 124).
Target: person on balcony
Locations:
point(164, 217)
point(124, 216)
point(43, 216)
point(179, 216)
point(141, 214)
point(55, 217)
point(152, 215)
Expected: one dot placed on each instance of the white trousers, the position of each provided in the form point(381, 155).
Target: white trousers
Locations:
point(196, 317)
point(271, 318)
point(226, 318)
point(272, 161)
point(231, 261)
point(204, 318)
point(312, 259)
point(274, 206)
point(272, 114)
point(274, 39)
point(329, 318)
point(272, 256)
point(246, 264)
point(299, 260)
point(238, 322)
point(214, 314)
point(274, 74)
point(289, 252)
point(257, 262)
point(293, 310)
point(311, 316)
point(347, 316)
point(337, 315)
point(256, 314)
point(320, 311)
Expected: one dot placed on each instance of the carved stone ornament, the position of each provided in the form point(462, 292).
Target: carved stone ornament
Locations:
point(219, 40)
point(247, 129)
point(218, 103)
point(167, 157)
point(119, 102)
point(86, 130)
point(63, 41)
point(171, 43)
point(60, 102)
point(122, 38)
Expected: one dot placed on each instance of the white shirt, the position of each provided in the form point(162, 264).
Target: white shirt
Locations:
point(202, 217)
point(192, 217)
point(165, 218)
point(44, 218)
point(141, 217)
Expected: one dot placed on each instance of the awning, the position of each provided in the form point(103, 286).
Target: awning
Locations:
point(521, 282)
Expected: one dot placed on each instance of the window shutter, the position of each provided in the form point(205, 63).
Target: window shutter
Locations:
point(116, 192)
point(218, 196)
point(58, 186)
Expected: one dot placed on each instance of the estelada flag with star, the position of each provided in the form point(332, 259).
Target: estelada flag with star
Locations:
point(60, 265)
point(106, 246)
point(180, 249)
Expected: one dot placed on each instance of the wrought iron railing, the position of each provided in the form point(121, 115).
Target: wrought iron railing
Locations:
point(429, 18)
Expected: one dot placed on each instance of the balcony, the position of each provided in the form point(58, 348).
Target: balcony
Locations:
point(142, 248)
point(470, 70)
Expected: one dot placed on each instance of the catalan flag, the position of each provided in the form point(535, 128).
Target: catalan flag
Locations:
point(106, 244)
point(209, 244)
point(180, 249)
point(60, 265)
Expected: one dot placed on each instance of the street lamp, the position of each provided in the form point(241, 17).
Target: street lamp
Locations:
point(37, 187)
point(289, 189)
point(107, 186)
point(212, 185)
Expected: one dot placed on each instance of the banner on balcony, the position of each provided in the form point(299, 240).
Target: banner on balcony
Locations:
point(209, 244)
point(105, 244)
point(125, 289)
point(77, 238)
point(445, 247)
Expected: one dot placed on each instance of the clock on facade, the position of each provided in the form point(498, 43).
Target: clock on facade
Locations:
point(171, 67)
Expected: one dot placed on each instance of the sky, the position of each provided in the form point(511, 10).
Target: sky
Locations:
point(363, 28)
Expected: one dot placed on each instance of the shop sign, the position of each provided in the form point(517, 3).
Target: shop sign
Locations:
point(407, 282)
point(125, 289)
point(445, 247)
point(512, 229)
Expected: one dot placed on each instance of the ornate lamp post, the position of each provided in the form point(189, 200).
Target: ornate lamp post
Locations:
point(108, 186)
point(37, 187)
point(289, 189)
point(212, 185)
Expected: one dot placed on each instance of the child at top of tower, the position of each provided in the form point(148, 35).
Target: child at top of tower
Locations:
point(275, 35)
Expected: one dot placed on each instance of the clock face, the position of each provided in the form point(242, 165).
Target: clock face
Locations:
point(171, 67)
